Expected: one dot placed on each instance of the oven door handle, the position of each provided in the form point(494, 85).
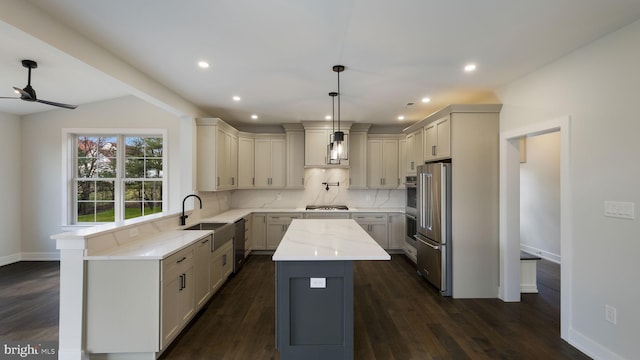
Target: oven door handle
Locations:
point(434, 247)
point(411, 217)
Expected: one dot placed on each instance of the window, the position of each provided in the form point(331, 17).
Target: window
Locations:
point(117, 177)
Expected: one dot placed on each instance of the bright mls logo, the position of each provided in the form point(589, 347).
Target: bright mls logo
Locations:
point(31, 350)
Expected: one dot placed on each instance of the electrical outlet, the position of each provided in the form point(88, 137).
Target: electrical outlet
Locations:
point(624, 210)
point(133, 232)
point(610, 314)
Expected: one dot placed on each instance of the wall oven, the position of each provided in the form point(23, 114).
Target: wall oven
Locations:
point(411, 206)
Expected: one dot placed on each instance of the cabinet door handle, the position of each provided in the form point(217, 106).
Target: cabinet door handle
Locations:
point(380, 181)
point(349, 181)
point(218, 181)
point(302, 181)
point(233, 180)
point(253, 181)
point(181, 282)
point(433, 150)
point(224, 259)
point(181, 260)
point(184, 281)
point(205, 241)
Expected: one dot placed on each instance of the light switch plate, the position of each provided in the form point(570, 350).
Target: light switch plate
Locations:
point(624, 210)
point(317, 283)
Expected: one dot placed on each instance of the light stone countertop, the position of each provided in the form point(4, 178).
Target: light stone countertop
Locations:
point(233, 215)
point(327, 240)
point(154, 247)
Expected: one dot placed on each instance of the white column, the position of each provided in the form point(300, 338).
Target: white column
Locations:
point(71, 331)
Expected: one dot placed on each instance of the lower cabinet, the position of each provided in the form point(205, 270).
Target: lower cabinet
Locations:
point(203, 266)
point(397, 231)
point(376, 225)
point(259, 231)
point(277, 225)
point(222, 265)
point(178, 293)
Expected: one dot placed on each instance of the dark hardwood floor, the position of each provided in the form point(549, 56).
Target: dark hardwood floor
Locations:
point(29, 301)
point(396, 316)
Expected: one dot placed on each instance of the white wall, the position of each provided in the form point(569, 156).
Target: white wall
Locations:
point(42, 161)
point(10, 202)
point(540, 197)
point(599, 87)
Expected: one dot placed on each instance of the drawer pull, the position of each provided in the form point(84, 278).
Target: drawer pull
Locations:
point(181, 260)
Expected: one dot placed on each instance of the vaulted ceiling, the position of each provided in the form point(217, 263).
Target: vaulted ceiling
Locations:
point(277, 55)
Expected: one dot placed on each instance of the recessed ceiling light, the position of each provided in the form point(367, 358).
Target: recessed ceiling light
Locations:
point(203, 64)
point(401, 117)
point(426, 100)
point(236, 98)
point(470, 67)
point(328, 117)
point(254, 116)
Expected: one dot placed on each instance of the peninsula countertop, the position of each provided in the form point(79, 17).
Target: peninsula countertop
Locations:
point(328, 240)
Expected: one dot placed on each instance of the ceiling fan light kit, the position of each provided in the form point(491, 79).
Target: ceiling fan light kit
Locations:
point(336, 149)
point(29, 93)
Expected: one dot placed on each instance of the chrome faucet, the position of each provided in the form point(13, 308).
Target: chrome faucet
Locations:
point(183, 218)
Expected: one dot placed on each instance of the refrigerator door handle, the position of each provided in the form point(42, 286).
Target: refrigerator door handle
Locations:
point(434, 247)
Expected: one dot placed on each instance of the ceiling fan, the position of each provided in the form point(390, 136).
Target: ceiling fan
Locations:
point(29, 94)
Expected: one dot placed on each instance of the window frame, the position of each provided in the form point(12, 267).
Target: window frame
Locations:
point(69, 176)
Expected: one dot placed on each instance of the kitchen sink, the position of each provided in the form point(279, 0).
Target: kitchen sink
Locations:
point(207, 226)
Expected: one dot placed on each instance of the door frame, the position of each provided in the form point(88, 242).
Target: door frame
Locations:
point(509, 290)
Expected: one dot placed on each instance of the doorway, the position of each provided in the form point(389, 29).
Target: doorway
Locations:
point(509, 289)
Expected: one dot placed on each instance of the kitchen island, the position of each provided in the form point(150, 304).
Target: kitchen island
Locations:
point(314, 287)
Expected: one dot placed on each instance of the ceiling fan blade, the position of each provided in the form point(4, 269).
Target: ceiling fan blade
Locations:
point(25, 95)
point(66, 106)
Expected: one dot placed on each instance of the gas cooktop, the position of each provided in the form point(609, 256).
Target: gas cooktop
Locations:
point(327, 207)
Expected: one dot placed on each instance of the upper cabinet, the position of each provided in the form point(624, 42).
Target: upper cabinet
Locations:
point(438, 139)
point(217, 155)
point(382, 162)
point(245, 161)
point(295, 155)
point(415, 151)
point(316, 139)
point(358, 156)
point(269, 156)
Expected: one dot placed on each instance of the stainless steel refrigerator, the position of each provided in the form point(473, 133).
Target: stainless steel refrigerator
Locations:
point(434, 224)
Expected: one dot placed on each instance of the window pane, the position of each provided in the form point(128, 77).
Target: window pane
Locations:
point(152, 207)
point(132, 209)
point(153, 168)
point(134, 146)
point(86, 212)
point(134, 168)
point(86, 167)
point(153, 147)
point(133, 190)
point(105, 211)
point(105, 190)
point(86, 190)
point(153, 190)
point(106, 167)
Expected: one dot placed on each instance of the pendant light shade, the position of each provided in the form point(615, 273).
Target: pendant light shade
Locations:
point(337, 149)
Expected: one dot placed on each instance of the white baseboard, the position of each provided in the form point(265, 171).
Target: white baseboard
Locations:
point(40, 256)
point(590, 347)
point(9, 259)
point(543, 254)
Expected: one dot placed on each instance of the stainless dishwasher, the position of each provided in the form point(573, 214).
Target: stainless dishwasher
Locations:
point(238, 245)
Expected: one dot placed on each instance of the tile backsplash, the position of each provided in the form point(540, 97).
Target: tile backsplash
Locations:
point(316, 194)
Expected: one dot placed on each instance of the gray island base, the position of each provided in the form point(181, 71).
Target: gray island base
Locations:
point(314, 287)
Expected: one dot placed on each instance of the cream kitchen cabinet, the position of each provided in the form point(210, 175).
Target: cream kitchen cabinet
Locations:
point(316, 138)
point(248, 245)
point(375, 224)
point(438, 139)
point(259, 231)
point(403, 159)
point(358, 157)
point(178, 293)
point(217, 155)
point(246, 155)
point(270, 155)
point(415, 151)
point(396, 231)
point(382, 163)
point(295, 155)
point(203, 270)
point(277, 225)
point(222, 265)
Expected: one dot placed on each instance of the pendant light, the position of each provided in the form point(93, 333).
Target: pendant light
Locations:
point(338, 149)
point(332, 150)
